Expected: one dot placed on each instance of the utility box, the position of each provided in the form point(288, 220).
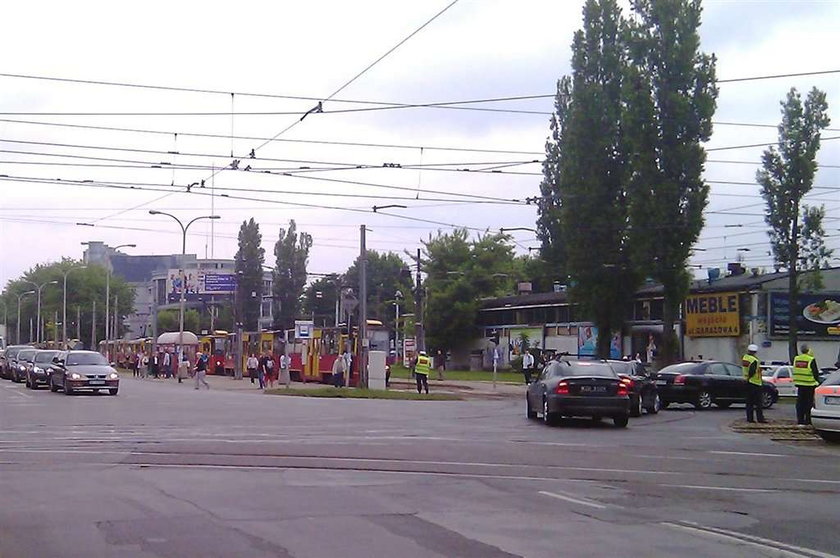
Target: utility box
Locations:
point(376, 369)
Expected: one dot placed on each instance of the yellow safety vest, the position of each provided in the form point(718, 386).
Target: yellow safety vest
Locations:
point(746, 362)
point(802, 374)
point(423, 365)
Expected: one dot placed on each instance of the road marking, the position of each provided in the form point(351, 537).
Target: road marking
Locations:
point(16, 392)
point(580, 501)
point(749, 453)
point(779, 548)
point(725, 488)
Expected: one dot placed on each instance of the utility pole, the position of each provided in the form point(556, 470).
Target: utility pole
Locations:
point(363, 340)
point(78, 322)
point(93, 327)
point(419, 329)
point(116, 331)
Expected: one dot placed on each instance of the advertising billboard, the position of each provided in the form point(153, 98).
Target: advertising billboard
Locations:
point(713, 315)
point(817, 315)
point(198, 283)
point(588, 342)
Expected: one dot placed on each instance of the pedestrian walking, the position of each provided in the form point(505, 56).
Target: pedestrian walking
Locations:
point(138, 363)
point(261, 371)
point(144, 367)
point(806, 378)
point(527, 366)
point(154, 365)
point(251, 365)
point(284, 364)
point(270, 370)
point(421, 371)
point(752, 373)
point(201, 370)
point(440, 364)
point(338, 370)
point(167, 364)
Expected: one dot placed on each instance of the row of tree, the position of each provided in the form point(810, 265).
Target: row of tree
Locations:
point(623, 194)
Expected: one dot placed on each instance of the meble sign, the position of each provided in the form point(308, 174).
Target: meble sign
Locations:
point(712, 315)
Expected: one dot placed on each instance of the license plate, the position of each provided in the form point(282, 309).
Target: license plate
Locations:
point(593, 389)
point(662, 382)
point(97, 382)
point(832, 400)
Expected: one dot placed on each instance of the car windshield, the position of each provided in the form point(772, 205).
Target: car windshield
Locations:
point(622, 367)
point(25, 355)
point(587, 369)
point(45, 356)
point(75, 359)
point(681, 368)
point(833, 379)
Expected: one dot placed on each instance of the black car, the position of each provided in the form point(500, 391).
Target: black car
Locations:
point(644, 396)
point(39, 372)
point(74, 371)
point(23, 361)
point(10, 359)
point(578, 389)
point(709, 382)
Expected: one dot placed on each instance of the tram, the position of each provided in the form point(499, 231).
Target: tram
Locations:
point(220, 346)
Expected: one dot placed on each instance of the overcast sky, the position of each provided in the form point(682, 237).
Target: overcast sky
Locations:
point(477, 49)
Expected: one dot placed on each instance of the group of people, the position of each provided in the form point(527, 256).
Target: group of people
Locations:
point(265, 370)
point(163, 363)
point(806, 377)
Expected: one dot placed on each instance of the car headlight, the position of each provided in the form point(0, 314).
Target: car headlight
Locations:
point(113, 376)
point(22, 368)
point(37, 369)
point(75, 376)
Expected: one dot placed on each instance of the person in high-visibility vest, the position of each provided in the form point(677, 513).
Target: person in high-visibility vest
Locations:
point(421, 371)
point(752, 374)
point(806, 377)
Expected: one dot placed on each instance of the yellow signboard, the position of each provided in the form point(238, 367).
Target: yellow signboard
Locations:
point(712, 315)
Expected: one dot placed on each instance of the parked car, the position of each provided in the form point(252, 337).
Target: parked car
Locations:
point(644, 396)
point(23, 361)
point(782, 378)
point(74, 371)
point(571, 388)
point(10, 359)
point(39, 372)
point(709, 382)
point(825, 416)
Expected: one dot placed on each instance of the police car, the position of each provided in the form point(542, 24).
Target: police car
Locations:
point(825, 416)
point(781, 377)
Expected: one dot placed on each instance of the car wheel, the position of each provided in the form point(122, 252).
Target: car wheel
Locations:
point(636, 406)
point(113, 391)
point(766, 399)
point(655, 404)
point(621, 421)
point(549, 419)
point(67, 389)
point(529, 412)
point(723, 404)
point(663, 404)
point(829, 436)
point(53, 387)
point(704, 400)
point(27, 383)
point(33, 385)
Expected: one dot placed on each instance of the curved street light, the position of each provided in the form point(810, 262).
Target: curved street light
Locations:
point(182, 272)
point(39, 287)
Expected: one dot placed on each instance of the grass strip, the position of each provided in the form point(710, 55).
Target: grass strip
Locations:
point(353, 393)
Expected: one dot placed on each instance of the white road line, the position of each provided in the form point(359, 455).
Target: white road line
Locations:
point(17, 392)
point(724, 488)
point(749, 453)
point(778, 548)
point(580, 501)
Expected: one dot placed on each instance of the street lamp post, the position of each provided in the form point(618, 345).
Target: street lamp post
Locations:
point(20, 296)
point(108, 292)
point(64, 305)
point(184, 228)
point(398, 296)
point(39, 287)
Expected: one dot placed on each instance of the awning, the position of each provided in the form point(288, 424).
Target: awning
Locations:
point(171, 338)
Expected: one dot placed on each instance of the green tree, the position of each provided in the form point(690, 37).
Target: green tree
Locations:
point(84, 286)
point(167, 320)
point(671, 93)
point(291, 252)
point(248, 262)
point(786, 176)
point(386, 274)
point(459, 272)
point(320, 296)
point(592, 174)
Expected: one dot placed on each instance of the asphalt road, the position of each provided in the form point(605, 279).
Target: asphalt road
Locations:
point(164, 470)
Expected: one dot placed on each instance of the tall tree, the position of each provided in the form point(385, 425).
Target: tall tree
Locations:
point(248, 262)
point(291, 252)
point(592, 174)
point(320, 296)
point(671, 94)
point(458, 273)
point(787, 174)
point(386, 274)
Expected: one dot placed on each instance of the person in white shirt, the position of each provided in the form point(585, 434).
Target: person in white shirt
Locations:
point(251, 365)
point(527, 366)
point(285, 375)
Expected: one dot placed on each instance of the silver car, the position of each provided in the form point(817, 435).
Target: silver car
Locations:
point(825, 416)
